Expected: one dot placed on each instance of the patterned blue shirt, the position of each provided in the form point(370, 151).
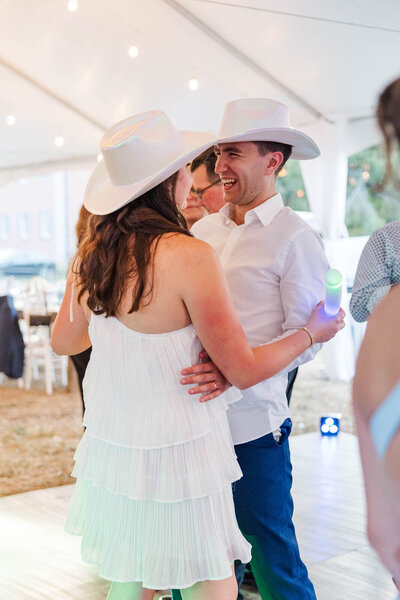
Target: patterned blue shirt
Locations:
point(377, 271)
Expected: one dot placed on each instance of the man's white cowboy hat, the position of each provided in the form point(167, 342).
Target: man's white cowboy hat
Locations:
point(138, 154)
point(264, 120)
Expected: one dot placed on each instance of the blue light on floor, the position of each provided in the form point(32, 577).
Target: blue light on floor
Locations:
point(330, 425)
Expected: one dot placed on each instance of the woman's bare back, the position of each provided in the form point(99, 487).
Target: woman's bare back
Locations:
point(162, 309)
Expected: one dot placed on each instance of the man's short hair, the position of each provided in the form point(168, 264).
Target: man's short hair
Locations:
point(207, 158)
point(265, 147)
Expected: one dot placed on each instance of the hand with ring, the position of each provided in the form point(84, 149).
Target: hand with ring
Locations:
point(208, 379)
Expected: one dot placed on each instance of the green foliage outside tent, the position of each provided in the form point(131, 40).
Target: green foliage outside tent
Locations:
point(291, 186)
point(370, 203)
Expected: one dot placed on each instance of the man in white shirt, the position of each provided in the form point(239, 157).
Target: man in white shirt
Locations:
point(209, 189)
point(275, 267)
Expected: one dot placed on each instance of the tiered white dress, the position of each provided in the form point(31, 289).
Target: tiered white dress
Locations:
point(153, 500)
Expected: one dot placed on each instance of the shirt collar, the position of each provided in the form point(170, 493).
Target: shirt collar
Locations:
point(265, 212)
point(225, 213)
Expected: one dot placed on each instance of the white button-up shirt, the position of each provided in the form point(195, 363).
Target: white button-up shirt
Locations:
point(275, 266)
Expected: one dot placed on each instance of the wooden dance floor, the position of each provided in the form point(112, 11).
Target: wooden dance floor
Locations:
point(39, 561)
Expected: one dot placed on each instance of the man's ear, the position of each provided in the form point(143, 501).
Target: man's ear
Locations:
point(274, 160)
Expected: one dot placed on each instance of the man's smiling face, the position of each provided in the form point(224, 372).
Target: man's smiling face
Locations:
point(242, 171)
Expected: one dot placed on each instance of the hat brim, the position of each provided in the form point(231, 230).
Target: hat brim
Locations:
point(303, 147)
point(103, 197)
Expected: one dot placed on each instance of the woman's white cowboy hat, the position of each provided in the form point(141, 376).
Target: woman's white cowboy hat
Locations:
point(138, 154)
point(264, 120)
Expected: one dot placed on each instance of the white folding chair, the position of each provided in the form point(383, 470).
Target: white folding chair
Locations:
point(37, 340)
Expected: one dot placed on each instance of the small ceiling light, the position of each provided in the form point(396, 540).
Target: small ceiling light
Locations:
point(300, 193)
point(193, 84)
point(282, 172)
point(366, 175)
point(72, 5)
point(59, 141)
point(133, 51)
point(99, 157)
point(10, 120)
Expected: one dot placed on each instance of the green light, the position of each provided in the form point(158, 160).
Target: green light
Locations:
point(333, 292)
point(333, 279)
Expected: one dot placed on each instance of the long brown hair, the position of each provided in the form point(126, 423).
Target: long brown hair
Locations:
point(117, 248)
point(81, 224)
point(388, 115)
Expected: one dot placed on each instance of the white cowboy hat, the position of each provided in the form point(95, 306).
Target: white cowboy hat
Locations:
point(138, 154)
point(264, 120)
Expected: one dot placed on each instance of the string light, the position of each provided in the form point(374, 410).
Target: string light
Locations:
point(282, 173)
point(99, 157)
point(366, 175)
point(73, 5)
point(10, 120)
point(352, 181)
point(193, 84)
point(300, 193)
point(59, 141)
point(133, 51)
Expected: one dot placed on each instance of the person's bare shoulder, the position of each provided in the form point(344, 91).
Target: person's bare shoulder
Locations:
point(379, 358)
point(184, 257)
point(183, 249)
point(384, 322)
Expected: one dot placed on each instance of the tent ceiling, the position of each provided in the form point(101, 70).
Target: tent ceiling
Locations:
point(69, 74)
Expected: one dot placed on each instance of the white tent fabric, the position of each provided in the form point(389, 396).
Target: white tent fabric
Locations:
point(69, 74)
point(325, 178)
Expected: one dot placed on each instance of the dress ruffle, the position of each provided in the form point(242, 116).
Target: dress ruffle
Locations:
point(161, 545)
point(170, 474)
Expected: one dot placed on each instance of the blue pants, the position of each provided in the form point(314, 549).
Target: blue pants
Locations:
point(264, 509)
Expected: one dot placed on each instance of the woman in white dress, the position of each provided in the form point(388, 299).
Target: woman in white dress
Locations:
point(154, 469)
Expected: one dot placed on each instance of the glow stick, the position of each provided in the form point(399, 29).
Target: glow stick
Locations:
point(333, 292)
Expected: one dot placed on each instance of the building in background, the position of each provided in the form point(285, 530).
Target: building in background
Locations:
point(37, 223)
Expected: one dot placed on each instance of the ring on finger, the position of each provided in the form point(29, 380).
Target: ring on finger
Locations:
point(215, 386)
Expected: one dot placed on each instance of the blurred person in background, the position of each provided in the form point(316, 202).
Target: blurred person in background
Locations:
point(81, 360)
point(376, 389)
point(206, 182)
point(194, 210)
point(379, 265)
point(378, 269)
